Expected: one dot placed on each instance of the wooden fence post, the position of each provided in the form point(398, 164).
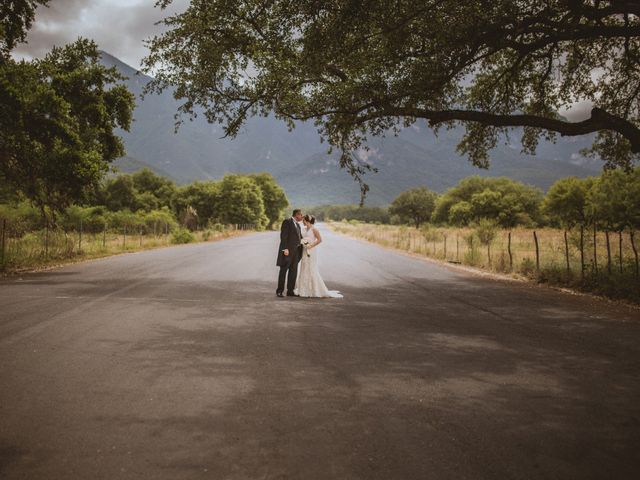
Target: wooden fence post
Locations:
point(635, 251)
point(445, 247)
point(457, 248)
point(606, 235)
point(582, 252)
point(2, 239)
point(80, 238)
point(535, 239)
point(509, 251)
point(104, 236)
point(595, 248)
point(566, 252)
point(124, 238)
point(46, 238)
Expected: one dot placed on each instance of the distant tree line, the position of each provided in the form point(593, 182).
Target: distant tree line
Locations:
point(152, 202)
point(352, 212)
point(609, 202)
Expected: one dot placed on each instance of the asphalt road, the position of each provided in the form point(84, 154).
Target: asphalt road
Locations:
point(181, 363)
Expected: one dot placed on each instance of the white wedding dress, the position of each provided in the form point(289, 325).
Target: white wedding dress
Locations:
point(310, 283)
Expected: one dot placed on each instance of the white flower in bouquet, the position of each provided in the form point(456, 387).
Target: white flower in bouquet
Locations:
point(306, 244)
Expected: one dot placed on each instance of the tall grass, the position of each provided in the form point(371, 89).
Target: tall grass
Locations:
point(50, 247)
point(610, 272)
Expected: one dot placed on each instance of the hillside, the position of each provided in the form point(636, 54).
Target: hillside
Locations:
point(301, 164)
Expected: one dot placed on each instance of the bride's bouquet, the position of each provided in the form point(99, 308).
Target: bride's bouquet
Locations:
point(306, 244)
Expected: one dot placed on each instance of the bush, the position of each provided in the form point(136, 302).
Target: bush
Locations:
point(182, 235)
point(528, 267)
point(486, 230)
point(217, 227)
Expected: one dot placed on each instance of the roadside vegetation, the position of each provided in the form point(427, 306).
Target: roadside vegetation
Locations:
point(134, 212)
point(582, 234)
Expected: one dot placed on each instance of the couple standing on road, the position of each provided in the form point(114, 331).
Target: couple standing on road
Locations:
point(299, 247)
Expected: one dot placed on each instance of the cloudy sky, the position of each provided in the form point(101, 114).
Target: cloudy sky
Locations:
point(118, 26)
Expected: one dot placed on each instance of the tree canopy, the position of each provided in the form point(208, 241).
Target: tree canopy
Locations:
point(362, 68)
point(273, 195)
point(58, 120)
point(506, 201)
point(567, 201)
point(611, 201)
point(415, 205)
point(16, 18)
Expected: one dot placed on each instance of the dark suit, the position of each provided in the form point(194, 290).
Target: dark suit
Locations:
point(290, 239)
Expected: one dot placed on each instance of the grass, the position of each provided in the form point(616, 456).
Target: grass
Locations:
point(615, 279)
point(41, 249)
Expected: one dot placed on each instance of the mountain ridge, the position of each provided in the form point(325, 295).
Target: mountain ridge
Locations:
point(301, 164)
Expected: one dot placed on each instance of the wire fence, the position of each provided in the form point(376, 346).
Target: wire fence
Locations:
point(21, 248)
point(569, 257)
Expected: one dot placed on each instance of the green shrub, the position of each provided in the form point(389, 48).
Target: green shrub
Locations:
point(182, 235)
point(528, 267)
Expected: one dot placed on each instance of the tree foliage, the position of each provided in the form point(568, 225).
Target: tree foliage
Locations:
point(16, 17)
point(273, 195)
point(362, 68)
point(611, 200)
point(148, 182)
point(567, 201)
point(506, 201)
point(351, 212)
point(241, 201)
point(415, 205)
point(58, 117)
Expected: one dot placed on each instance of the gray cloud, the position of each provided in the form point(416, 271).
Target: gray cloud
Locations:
point(118, 26)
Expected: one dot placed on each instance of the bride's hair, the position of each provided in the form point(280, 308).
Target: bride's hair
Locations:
point(310, 218)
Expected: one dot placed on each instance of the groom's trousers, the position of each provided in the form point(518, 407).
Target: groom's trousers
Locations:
point(292, 270)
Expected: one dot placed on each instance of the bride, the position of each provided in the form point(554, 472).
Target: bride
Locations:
point(310, 283)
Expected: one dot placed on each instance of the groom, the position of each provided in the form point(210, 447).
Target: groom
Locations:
point(289, 253)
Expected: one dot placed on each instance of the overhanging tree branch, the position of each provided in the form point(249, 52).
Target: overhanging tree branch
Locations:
point(599, 120)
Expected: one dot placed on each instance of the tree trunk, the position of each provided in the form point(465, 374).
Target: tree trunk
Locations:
point(535, 239)
point(635, 251)
point(620, 250)
point(509, 251)
point(566, 252)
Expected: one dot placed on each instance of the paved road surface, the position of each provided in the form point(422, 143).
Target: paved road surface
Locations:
point(181, 363)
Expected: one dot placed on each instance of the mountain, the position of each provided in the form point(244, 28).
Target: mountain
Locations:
point(302, 165)
point(129, 164)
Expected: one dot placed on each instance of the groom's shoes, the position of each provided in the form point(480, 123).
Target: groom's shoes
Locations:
point(291, 294)
point(279, 294)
